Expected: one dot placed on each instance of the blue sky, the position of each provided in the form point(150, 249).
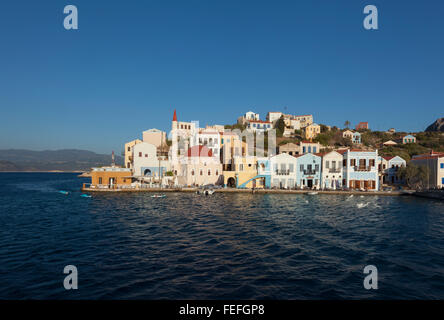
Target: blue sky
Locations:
point(131, 63)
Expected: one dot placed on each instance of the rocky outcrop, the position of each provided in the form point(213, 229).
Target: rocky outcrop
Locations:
point(438, 125)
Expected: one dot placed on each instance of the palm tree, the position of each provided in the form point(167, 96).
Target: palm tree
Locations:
point(347, 124)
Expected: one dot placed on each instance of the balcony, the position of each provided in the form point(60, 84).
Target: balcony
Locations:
point(363, 168)
point(282, 172)
point(309, 172)
point(334, 170)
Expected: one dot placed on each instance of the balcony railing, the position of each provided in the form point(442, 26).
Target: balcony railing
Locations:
point(309, 172)
point(363, 168)
point(282, 172)
point(334, 170)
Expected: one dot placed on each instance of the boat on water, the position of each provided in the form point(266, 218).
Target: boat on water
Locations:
point(312, 193)
point(158, 196)
point(63, 192)
point(205, 191)
point(84, 195)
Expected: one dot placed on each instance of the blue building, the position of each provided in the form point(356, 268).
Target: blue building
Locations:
point(360, 169)
point(308, 171)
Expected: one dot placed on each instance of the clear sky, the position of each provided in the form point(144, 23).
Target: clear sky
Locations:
point(131, 63)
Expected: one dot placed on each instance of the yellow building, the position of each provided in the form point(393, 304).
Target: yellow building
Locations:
point(129, 153)
point(244, 169)
point(311, 131)
point(110, 177)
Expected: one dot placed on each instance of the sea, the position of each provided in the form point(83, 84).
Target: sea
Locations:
point(222, 246)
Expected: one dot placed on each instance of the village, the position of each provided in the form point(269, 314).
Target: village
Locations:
point(282, 152)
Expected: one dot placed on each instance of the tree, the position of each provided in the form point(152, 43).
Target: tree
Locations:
point(347, 124)
point(280, 127)
point(415, 176)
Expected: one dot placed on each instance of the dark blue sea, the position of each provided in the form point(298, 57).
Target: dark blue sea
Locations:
point(224, 246)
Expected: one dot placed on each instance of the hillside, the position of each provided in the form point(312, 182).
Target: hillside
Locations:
point(52, 160)
point(438, 125)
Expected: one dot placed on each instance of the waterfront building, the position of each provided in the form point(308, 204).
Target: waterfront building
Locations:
point(388, 168)
point(110, 177)
point(243, 174)
point(129, 153)
point(434, 161)
point(273, 116)
point(198, 168)
point(332, 170)
point(231, 146)
point(309, 147)
point(183, 129)
point(408, 139)
point(208, 138)
point(259, 125)
point(146, 163)
point(360, 169)
point(250, 115)
point(311, 131)
point(362, 126)
point(283, 171)
point(308, 171)
point(289, 148)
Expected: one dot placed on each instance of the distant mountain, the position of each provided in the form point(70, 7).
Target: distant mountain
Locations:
point(57, 160)
point(438, 125)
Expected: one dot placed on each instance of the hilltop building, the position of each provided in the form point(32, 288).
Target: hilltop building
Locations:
point(250, 115)
point(362, 126)
point(311, 131)
point(408, 139)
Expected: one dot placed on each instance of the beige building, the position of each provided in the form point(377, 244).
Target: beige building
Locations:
point(129, 152)
point(155, 137)
point(435, 162)
point(242, 174)
point(198, 168)
point(311, 131)
point(289, 148)
point(348, 134)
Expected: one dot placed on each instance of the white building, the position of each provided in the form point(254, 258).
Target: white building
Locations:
point(146, 163)
point(332, 174)
point(208, 138)
point(283, 171)
point(273, 116)
point(250, 115)
point(259, 125)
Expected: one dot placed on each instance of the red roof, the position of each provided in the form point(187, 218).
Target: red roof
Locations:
point(175, 115)
point(199, 151)
point(388, 158)
point(306, 141)
point(259, 121)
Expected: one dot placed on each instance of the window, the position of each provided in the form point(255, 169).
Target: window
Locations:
point(291, 167)
point(217, 172)
point(327, 164)
point(303, 149)
point(353, 162)
point(372, 162)
point(100, 180)
point(140, 154)
point(316, 168)
point(129, 148)
point(301, 167)
point(314, 149)
point(192, 172)
point(146, 155)
point(209, 172)
point(442, 165)
point(201, 173)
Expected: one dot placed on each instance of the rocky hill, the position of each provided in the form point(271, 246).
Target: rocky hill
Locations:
point(438, 125)
point(53, 160)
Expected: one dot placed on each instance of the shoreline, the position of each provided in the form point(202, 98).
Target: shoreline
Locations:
point(257, 191)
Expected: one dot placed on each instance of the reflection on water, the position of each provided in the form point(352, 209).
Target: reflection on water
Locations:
point(238, 246)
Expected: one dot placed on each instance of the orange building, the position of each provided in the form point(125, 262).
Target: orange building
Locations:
point(110, 177)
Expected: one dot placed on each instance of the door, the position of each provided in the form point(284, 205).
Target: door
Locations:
point(310, 183)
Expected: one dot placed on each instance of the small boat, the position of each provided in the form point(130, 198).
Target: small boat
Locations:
point(158, 196)
point(63, 192)
point(84, 195)
point(205, 191)
point(312, 193)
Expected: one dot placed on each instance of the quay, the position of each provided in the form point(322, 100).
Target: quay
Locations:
point(234, 190)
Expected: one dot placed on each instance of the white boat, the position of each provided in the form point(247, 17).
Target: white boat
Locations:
point(158, 196)
point(312, 193)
